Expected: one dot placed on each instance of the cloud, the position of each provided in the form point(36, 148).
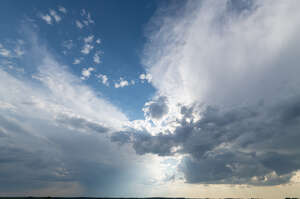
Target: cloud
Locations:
point(157, 108)
point(77, 61)
point(243, 145)
point(86, 72)
point(62, 9)
point(88, 39)
point(229, 68)
point(96, 57)
point(103, 79)
point(87, 44)
point(54, 130)
point(47, 18)
point(146, 77)
point(87, 48)
point(68, 44)
point(86, 19)
point(122, 83)
point(56, 17)
point(4, 52)
point(79, 24)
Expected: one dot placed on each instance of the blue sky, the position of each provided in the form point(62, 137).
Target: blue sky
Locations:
point(119, 54)
point(150, 98)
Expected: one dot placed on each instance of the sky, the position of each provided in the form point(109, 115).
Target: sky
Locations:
point(150, 98)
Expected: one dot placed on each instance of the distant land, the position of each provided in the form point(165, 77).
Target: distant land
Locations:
point(30, 197)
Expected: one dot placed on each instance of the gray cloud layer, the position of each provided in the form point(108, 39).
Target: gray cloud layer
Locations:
point(250, 144)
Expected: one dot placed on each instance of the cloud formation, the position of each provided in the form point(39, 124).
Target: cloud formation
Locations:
point(230, 70)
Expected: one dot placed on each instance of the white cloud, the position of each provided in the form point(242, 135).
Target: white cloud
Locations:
point(144, 77)
point(56, 17)
point(122, 83)
point(98, 41)
point(68, 44)
point(19, 51)
point(77, 61)
point(47, 18)
point(62, 9)
point(96, 57)
point(86, 72)
point(86, 19)
point(87, 48)
point(79, 24)
point(88, 39)
point(223, 57)
point(103, 78)
point(4, 52)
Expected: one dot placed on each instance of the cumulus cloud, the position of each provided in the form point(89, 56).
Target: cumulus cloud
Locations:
point(157, 108)
point(88, 39)
point(62, 9)
point(54, 14)
point(230, 68)
point(146, 77)
point(86, 72)
point(96, 57)
point(47, 18)
point(85, 20)
point(243, 145)
point(122, 83)
point(77, 61)
point(4, 52)
point(86, 49)
point(79, 24)
point(103, 79)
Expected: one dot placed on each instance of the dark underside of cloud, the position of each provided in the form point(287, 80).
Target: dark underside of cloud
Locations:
point(251, 144)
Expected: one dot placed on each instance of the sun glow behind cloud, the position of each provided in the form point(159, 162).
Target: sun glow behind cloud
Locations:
point(225, 114)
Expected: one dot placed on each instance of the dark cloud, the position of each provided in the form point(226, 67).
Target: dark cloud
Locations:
point(249, 144)
point(157, 108)
point(81, 124)
point(51, 154)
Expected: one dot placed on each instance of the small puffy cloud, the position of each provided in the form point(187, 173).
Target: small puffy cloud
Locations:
point(96, 57)
point(146, 77)
point(19, 51)
point(86, 21)
point(79, 24)
point(68, 44)
point(56, 17)
point(62, 9)
point(86, 72)
point(47, 18)
point(88, 39)
point(122, 83)
point(87, 48)
point(77, 61)
point(4, 52)
point(98, 41)
point(103, 79)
